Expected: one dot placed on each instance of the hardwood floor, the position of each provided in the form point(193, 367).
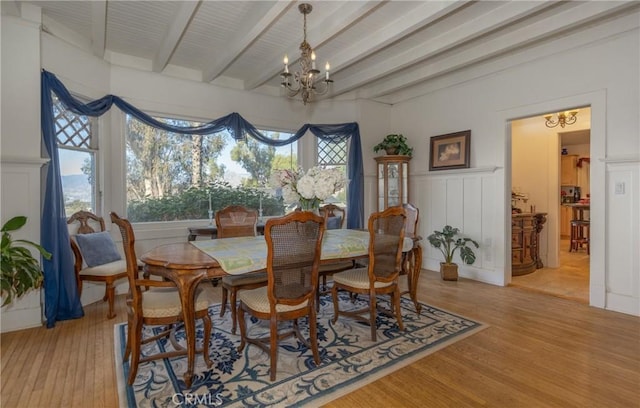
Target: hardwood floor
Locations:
point(538, 351)
point(570, 280)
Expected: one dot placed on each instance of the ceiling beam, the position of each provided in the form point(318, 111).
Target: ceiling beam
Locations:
point(98, 27)
point(11, 8)
point(499, 17)
point(258, 24)
point(565, 42)
point(562, 21)
point(345, 16)
point(172, 37)
point(394, 31)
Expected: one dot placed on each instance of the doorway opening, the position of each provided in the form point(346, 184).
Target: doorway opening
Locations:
point(550, 175)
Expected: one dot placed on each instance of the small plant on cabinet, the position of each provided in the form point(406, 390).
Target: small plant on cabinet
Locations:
point(394, 144)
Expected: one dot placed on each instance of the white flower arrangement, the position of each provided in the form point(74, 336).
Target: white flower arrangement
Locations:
point(310, 188)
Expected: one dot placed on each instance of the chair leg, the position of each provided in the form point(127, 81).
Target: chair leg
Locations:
point(136, 334)
point(318, 296)
point(395, 298)
point(372, 314)
point(588, 236)
point(109, 296)
point(336, 308)
point(127, 347)
point(243, 327)
point(232, 306)
point(273, 346)
point(223, 305)
point(313, 336)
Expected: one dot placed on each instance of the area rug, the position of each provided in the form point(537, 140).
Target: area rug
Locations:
point(349, 360)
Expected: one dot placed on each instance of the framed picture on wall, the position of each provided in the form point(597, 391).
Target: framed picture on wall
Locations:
point(450, 151)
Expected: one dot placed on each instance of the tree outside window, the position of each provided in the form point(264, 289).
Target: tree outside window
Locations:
point(173, 176)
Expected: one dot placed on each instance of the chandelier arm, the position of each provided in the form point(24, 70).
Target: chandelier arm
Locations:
point(562, 119)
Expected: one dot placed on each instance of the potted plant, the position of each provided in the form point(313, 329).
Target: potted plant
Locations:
point(447, 243)
point(21, 272)
point(394, 144)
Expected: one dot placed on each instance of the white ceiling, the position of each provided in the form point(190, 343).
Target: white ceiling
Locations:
point(386, 51)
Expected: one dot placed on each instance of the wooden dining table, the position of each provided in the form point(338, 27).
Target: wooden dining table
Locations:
point(188, 263)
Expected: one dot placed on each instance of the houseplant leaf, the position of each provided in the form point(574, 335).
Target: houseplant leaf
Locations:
point(21, 272)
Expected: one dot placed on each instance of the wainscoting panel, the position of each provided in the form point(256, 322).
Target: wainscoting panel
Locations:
point(623, 230)
point(467, 200)
point(21, 196)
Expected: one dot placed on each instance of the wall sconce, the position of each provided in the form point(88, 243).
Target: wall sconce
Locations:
point(562, 120)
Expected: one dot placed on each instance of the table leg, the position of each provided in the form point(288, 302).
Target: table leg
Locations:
point(187, 285)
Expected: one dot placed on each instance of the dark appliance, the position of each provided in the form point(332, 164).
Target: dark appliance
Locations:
point(569, 194)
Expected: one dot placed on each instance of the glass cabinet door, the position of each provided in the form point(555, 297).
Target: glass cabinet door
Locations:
point(393, 181)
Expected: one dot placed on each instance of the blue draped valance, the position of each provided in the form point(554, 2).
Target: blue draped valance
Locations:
point(62, 301)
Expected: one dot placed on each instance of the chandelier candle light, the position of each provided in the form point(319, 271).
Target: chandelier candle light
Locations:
point(311, 188)
point(304, 81)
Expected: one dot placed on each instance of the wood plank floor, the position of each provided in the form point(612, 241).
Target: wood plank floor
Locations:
point(538, 351)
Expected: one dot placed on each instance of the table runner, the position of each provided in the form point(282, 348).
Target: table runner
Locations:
point(248, 254)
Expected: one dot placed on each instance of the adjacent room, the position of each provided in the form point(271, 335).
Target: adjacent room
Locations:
point(344, 203)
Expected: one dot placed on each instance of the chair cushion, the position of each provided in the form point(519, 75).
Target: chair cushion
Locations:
point(334, 222)
point(108, 269)
point(357, 278)
point(258, 300)
point(165, 302)
point(97, 248)
point(245, 279)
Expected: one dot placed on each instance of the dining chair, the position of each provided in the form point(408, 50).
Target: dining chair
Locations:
point(380, 276)
point(293, 255)
point(237, 221)
point(334, 217)
point(96, 256)
point(158, 304)
point(410, 230)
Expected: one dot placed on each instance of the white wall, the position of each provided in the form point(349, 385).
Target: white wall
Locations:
point(600, 73)
point(20, 148)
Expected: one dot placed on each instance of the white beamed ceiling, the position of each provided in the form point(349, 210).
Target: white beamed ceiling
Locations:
point(378, 50)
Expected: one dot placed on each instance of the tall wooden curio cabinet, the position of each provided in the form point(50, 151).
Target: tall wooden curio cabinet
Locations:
point(393, 180)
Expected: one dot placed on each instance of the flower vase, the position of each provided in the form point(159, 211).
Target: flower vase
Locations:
point(310, 204)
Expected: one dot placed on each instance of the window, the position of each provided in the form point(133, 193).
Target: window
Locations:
point(172, 176)
point(334, 155)
point(77, 148)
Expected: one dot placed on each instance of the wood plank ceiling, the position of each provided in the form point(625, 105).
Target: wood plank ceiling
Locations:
point(386, 51)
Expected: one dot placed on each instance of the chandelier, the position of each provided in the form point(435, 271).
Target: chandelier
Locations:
point(304, 81)
point(562, 120)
